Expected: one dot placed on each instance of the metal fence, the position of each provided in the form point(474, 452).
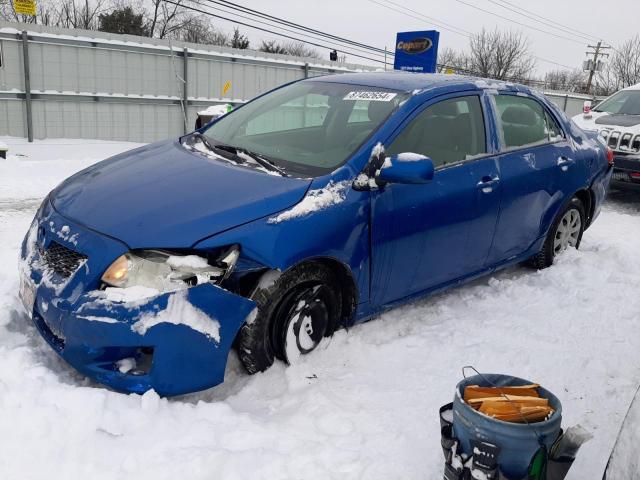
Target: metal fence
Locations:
point(84, 84)
point(58, 82)
point(570, 103)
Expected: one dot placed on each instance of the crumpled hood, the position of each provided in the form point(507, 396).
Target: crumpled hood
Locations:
point(162, 196)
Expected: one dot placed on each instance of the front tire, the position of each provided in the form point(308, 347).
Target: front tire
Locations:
point(565, 232)
point(294, 313)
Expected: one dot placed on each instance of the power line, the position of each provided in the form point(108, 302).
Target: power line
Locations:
point(431, 20)
point(368, 49)
point(519, 23)
point(465, 34)
point(549, 20)
point(341, 50)
point(270, 31)
point(235, 6)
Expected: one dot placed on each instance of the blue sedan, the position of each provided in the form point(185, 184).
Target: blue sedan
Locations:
point(315, 206)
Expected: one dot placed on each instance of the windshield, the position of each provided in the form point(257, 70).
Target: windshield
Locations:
point(307, 128)
point(626, 102)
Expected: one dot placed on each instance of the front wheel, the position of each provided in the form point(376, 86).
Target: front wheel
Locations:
point(565, 232)
point(295, 313)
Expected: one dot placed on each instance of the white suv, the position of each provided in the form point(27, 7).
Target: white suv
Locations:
point(617, 119)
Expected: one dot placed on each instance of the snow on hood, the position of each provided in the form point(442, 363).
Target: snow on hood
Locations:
point(164, 196)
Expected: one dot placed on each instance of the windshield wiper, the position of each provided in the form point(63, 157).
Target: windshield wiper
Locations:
point(238, 152)
point(264, 162)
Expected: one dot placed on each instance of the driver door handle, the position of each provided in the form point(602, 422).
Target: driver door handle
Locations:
point(488, 183)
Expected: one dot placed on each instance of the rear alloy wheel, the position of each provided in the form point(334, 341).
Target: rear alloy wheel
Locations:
point(568, 231)
point(565, 232)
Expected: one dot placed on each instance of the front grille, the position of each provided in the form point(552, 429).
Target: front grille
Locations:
point(62, 260)
point(623, 142)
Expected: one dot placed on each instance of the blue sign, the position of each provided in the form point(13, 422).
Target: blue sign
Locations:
point(417, 51)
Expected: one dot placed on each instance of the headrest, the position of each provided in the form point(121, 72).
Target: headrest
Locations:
point(520, 115)
point(377, 111)
point(449, 109)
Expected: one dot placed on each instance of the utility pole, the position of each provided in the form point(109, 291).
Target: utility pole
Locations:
point(592, 65)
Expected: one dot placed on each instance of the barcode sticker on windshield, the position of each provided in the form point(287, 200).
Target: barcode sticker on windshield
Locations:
point(372, 96)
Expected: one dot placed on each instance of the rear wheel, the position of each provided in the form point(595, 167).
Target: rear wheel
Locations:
point(565, 232)
point(294, 314)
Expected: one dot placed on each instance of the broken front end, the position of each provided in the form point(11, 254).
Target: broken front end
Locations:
point(132, 320)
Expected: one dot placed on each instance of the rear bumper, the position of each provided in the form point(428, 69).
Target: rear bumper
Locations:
point(174, 343)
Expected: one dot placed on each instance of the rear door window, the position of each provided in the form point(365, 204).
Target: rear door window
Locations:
point(523, 121)
point(447, 132)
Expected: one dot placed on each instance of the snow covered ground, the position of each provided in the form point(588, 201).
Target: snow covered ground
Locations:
point(365, 406)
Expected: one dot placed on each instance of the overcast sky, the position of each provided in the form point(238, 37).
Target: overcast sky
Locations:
point(371, 23)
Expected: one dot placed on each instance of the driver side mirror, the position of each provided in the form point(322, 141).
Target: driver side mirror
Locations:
point(411, 168)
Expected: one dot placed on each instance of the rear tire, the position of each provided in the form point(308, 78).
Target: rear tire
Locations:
point(565, 232)
point(294, 314)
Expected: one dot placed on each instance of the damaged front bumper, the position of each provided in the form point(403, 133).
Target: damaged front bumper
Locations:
point(174, 343)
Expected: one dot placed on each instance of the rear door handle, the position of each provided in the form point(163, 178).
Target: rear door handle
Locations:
point(487, 184)
point(565, 162)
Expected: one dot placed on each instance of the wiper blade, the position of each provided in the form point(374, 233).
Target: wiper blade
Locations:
point(239, 152)
point(264, 162)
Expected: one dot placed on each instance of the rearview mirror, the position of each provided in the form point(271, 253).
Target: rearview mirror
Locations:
point(406, 168)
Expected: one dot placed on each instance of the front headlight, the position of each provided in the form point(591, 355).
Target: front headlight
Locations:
point(165, 271)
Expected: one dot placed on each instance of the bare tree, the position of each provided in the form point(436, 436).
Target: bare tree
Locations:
point(625, 63)
point(450, 59)
point(198, 30)
point(82, 14)
point(46, 13)
point(272, 46)
point(300, 49)
point(165, 20)
point(605, 82)
point(565, 80)
point(500, 55)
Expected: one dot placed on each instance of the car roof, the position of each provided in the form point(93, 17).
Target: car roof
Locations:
point(633, 87)
point(409, 81)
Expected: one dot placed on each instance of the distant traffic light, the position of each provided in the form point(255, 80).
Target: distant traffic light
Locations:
point(333, 56)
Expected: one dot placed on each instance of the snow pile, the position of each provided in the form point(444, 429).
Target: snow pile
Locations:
point(64, 233)
point(363, 405)
point(377, 150)
point(315, 200)
point(195, 262)
point(215, 110)
point(136, 294)
point(180, 311)
point(31, 170)
point(364, 181)
point(409, 157)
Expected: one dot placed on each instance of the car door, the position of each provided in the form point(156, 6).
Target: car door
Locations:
point(430, 234)
point(539, 169)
